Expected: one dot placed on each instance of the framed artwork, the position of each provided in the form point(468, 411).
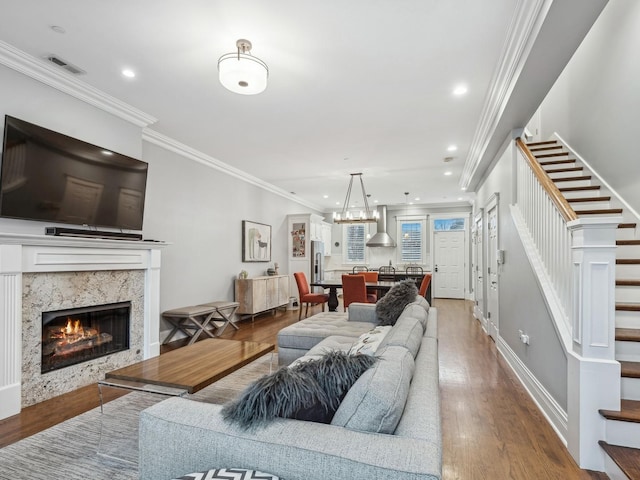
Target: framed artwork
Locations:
point(256, 242)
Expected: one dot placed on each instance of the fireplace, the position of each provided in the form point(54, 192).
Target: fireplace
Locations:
point(76, 335)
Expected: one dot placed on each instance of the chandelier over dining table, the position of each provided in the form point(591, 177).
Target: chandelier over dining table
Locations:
point(352, 215)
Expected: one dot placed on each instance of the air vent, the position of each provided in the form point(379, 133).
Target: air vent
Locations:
point(69, 67)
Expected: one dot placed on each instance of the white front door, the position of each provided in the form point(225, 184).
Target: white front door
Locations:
point(492, 270)
point(448, 268)
point(478, 270)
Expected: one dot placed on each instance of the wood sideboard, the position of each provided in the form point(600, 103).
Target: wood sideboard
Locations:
point(260, 294)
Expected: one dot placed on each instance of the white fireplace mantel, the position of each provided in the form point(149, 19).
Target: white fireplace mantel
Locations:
point(23, 253)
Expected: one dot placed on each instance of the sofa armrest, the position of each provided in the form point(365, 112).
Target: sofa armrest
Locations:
point(362, 312)
point(180, 436)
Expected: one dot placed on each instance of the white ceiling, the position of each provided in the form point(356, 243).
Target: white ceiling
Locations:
point(354, 85)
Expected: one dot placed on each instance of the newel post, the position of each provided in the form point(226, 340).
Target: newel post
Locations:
point(593, 373)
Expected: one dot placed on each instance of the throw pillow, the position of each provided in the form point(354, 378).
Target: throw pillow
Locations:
point(392, 304)
point(309, 390)
point(368, 342)
point(229, 473)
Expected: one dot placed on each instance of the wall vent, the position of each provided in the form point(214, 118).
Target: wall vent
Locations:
point(69, 67)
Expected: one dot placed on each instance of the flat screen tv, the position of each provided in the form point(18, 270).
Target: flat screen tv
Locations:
point(50, 177)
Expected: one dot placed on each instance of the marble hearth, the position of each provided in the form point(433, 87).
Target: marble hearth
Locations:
point(42, 273)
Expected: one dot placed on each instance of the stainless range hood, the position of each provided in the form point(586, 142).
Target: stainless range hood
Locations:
point(382, 238)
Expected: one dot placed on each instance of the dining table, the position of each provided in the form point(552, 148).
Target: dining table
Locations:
point(382, 286)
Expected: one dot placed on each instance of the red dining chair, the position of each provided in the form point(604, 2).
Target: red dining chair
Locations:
point(370, 277)
point(426, 280)
point(354, 289)
point(306, 296)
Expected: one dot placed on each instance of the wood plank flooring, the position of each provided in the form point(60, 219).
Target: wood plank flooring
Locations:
point(491, 428)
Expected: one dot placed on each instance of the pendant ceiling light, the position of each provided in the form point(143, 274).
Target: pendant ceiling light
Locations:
point(241, 72)
point(363, 216)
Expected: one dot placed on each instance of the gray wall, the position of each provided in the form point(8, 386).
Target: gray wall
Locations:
point(594, 104)
point(521, 305)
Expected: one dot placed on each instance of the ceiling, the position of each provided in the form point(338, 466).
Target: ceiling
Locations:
point(354, 86)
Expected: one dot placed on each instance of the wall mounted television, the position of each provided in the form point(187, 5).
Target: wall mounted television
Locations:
point(50, 177)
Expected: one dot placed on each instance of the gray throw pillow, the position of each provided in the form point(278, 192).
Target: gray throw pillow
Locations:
point(389, 307)
point(309, 391)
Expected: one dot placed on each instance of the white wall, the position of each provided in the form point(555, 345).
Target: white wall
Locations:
point(521, 305)
point(594, 105)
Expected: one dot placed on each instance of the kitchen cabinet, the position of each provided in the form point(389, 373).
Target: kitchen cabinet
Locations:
point(259, 294)
point(326, 238)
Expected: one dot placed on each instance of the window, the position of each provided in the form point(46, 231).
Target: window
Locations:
point(411, 235)
point(354, 241)
point(448, 224)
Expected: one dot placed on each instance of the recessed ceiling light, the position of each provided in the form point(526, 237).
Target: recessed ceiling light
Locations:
point(460, 90)
point(448, 172)
point(128, 73)
point(452, 148)
point(337, 203)
point(464, 189)
point(448, 159)
point(460, 198)
point(325, 196)
point(57, 29)
point(375, 201)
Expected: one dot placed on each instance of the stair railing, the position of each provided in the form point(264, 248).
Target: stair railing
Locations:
point(546, 213)
point(574, 261)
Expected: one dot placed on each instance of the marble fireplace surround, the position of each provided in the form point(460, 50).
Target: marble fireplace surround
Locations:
point(41, 270)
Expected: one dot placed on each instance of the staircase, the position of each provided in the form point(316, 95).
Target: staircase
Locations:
point(587, 198)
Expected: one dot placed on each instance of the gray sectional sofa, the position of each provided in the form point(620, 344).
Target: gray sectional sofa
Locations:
point(387, 426)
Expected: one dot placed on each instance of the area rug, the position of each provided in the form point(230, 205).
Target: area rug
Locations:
point(70, 450)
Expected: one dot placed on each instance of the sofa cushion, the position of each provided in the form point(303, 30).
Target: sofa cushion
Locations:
point(417, 311)
point(407, 333)
point(307, 333)
point(376, 401)
point(228, 473)
point(368, 342)
point(309, 390)
point(389, 307)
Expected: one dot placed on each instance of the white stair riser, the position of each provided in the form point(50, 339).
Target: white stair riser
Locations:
point(581, 193)
point(629, 271)
point(627, 294)
point(625, 233)
point(589, 205)
point(628, 351)
point(623, 433)
point(573, 183)
point(628, 251)
point(627, 319)
point(554, 175)
point(630, 388)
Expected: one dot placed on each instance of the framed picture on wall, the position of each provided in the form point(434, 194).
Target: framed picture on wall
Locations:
point(256, 242)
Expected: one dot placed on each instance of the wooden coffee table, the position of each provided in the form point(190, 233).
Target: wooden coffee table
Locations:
point(187, 369)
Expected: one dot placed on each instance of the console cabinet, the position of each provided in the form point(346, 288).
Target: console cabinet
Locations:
point(259, 294)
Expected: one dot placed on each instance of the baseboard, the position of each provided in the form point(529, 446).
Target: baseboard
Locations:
point(552, 411)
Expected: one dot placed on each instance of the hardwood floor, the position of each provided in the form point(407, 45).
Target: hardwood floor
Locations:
point(491, 428)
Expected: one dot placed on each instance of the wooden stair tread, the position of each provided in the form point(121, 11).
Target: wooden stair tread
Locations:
point(626, 225)
point(546, 142)
point(541, 149)
point(604, 211)
point(551, 155)
point(628, 459)
point(627, 261)
point(628, 242)
point(628, 335)
point(557, 162)
point(628, 283)
point(579, 189)
point(630, 369)
point(572, 179)
point(564, 170)
point(628, 307)
point(629, 412)
point(588, 199)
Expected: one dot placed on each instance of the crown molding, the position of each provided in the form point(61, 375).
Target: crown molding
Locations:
point(37, 69)
point(186, 151)
point(523, 31)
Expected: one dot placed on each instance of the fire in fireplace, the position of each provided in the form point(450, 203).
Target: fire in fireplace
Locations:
point(81, 334)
